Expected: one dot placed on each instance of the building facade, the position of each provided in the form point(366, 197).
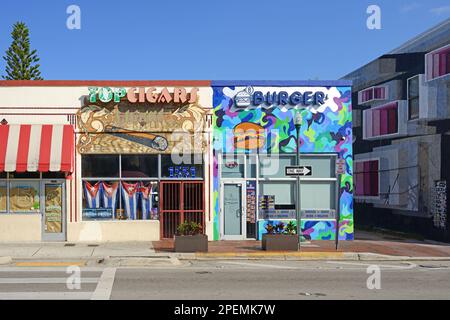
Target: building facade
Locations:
point(255, 140)
point(401, 129)
point(130, 160)
point(92, 160)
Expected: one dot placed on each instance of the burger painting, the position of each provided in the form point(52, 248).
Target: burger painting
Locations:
point(249, 136)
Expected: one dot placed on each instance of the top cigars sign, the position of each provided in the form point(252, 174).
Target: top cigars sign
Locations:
point(151, 95)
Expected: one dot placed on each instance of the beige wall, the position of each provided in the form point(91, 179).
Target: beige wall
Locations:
point(20, 227)
point(113, 231)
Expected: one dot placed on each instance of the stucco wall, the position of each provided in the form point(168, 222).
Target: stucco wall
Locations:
point(20, 227)
point(113, 231)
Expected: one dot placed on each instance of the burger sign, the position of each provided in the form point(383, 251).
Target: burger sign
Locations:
point(249, 97)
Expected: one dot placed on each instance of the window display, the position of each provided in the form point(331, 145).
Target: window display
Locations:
point(3, 195)
point(24, 196)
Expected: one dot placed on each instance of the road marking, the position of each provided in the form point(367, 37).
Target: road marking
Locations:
point(259, 265)
point(50, 264)
point(45, 295)
point(43, 280)
point(47, 269)
point(410, 265)
point(105, 285)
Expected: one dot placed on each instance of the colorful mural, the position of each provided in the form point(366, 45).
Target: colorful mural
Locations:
point(327, 128)
point(126, 127)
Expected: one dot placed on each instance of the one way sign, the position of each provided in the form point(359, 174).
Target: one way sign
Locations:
point(298, 171)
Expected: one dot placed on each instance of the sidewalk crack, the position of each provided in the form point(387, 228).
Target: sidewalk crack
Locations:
point(36, 251)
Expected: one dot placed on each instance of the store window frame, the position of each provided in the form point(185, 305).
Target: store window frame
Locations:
point(120, 179)
point(355, 173)
point(40, 179)
point(409, 98)
point(333, 179)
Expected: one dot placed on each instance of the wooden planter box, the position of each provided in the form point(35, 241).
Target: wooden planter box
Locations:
point(197, 243)
point(279, 242)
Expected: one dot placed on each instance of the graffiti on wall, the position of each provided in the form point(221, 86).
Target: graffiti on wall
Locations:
point(439, 205)
point(126, 127)
point(327, 128)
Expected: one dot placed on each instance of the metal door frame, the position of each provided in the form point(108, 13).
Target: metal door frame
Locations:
point(180, 211)
point(243, 235)
point(53, 236)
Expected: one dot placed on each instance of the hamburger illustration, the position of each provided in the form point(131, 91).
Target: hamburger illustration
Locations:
point(249, 136)
point(243, 98)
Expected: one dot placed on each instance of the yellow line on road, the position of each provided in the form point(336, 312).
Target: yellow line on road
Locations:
point(50, 264)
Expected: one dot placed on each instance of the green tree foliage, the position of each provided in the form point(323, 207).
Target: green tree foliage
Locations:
point(21, 63)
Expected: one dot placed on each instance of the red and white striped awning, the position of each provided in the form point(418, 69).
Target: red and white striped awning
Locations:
point(37, 147)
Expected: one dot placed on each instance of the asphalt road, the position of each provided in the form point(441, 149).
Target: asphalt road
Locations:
point(233, 279)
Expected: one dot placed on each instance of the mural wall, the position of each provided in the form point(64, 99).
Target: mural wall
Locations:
point(141, 127)
point(327, 128)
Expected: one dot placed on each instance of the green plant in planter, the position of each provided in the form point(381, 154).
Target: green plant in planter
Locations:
point(279, 227)
point(189, 228)
point(291, 228)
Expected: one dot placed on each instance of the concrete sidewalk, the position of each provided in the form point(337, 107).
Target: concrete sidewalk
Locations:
point(369, 246)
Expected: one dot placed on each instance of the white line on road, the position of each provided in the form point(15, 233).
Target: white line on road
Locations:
point(105, 285)
point(44, 280)
point(409, 266)
point(45, 295)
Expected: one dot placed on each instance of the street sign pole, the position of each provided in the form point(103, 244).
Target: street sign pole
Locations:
point(340, 169)
point(299, 219)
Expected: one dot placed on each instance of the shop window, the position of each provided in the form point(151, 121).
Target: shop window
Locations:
point(279, 194)
point(366, 177)
point(24, 196)
point(317, 195)
point(274, 166)
point(232, 166)
point(413, 98)
point(438, 63)
point(3, 196)
point(139, 166)
point(182, 167)
point(94, 166)
point(322, 166)
point(120, 200)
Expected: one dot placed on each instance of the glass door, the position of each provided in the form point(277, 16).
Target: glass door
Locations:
point(53, 211)
point(233, 211)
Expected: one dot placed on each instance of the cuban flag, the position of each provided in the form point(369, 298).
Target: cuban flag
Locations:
point(146, 200)
point(130, 199)
point(109, 196)
point(92, 194)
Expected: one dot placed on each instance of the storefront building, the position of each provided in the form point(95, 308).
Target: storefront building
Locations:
point(255, 139)
point(130, 160)
point(103, 160)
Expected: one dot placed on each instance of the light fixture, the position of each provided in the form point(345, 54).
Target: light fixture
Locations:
point(298, 119)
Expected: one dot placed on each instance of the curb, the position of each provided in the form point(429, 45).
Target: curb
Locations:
point(5, 260)
point(305, 256)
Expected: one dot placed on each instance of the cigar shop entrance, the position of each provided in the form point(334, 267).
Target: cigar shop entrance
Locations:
point(181, 201)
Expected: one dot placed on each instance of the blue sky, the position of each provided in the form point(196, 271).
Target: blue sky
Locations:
point(206, 39)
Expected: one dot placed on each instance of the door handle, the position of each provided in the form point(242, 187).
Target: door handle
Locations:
point(238, 213)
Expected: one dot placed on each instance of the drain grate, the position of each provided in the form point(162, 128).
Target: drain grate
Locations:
point(203, 272)
point(69, 245)
point(92, 245)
